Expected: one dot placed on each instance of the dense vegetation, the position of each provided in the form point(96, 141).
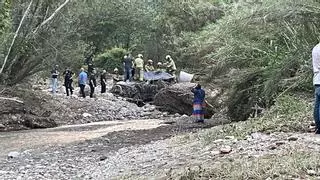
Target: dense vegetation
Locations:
point(260, 48)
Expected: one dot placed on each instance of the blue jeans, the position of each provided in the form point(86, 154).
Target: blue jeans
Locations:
point(54, 85)
point(316, 112)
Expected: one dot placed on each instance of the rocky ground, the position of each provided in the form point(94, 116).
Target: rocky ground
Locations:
point(46, 110)
point(107, 137)
point(159, 153)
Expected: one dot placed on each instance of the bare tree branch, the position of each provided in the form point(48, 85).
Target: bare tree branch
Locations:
point(15, 36)
point(51, 17)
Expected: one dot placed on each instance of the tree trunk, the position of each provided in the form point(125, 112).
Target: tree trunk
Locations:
point(15, 37)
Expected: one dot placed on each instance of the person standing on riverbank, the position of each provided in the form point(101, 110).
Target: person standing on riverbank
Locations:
point(83, 77)
point(54, 77)
point(138, 62)
point(68, 74)
point(198, 103)
point(92, 82)
point(316, 83)
point(128, 65)
point(103, 81)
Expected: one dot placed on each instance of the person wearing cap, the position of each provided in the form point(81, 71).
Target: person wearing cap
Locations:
point(83, 77)
point(138, 62)
point(128, 65)
point(103, 81)
point(116, 77)
point(198, 103)
point(149, 66)
point(171, 65)
point(160, 67)
point(54, 77)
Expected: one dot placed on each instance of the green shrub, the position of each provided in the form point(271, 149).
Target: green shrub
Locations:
point(111, 59)
point(266, 38)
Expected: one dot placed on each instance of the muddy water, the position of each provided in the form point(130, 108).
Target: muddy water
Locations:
point(30, 139)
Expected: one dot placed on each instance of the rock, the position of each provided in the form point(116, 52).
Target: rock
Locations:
point(3, 172)
point(279, 143)
point(312, 129)
point(102, 158)
point(13, 154)
point(14, 118)
point(311, 172)
point(35, 122)
point(225, 150)
point(260, 136)
point(215, 152)
point(2, 126)
point(178, 99)
point(86, 115)
point(145, 114)
point(272, 147)
point(230, 137)
point(165, 114)
point(293, 138)
point(219, 141)
point(137, 91)
point(184, 116)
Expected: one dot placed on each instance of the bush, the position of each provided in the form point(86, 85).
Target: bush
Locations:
point(111, 59)
point(266, 38)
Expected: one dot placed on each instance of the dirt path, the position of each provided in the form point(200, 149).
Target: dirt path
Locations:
point(23, 140)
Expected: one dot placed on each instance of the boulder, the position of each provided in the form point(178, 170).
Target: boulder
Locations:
point(178, 98)
point(225, 150)
point(138, 91)
point(11, 106)
point(13, 154)
point(36, 122)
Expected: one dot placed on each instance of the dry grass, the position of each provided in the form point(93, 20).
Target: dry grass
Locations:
point(289, 114)
point(292, 165)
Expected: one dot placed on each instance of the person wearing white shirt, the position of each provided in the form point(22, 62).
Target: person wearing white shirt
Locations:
point(316, 83)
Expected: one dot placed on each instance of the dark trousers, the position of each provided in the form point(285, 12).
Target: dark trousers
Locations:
point(92, 86)
point(82, 86)
point(68, 85)
point(316, 112)
point(128, 74)
point(103, 87)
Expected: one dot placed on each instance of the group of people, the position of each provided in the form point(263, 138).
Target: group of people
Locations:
point(135, 68)
point(84, 78)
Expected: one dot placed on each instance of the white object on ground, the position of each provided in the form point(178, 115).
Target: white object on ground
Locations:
point(86, 115)
point(185, 77)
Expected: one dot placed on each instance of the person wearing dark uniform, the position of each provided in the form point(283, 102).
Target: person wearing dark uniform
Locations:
point(68, 74)
point(92, 82)
point(128, 65)
point(103, 79)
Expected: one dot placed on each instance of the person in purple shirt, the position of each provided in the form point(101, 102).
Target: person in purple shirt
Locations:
point(83, 78)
